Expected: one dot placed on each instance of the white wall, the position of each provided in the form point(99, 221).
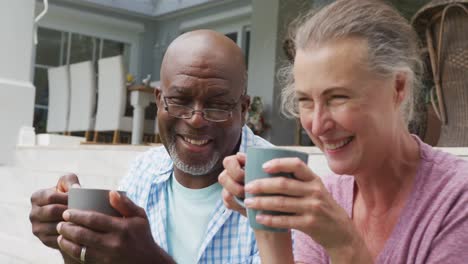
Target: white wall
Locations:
point(16, 88)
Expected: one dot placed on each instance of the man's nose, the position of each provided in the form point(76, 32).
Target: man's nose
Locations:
point(198, 118)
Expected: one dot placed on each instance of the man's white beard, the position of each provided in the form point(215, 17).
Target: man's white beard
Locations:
point(195, 170)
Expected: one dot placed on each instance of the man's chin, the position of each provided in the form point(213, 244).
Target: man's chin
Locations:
point(193, 169)
point(195, 166)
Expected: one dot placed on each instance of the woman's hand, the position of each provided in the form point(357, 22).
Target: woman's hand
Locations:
point(312, 209)
point(232, 180)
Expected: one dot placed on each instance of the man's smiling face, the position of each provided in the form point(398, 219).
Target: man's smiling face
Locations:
point(201, 77)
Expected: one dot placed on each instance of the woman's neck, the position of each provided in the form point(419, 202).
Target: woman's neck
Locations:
point(383, 187)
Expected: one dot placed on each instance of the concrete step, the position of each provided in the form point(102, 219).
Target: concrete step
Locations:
point(16, 250)
point(17, 243)
point(93, 159)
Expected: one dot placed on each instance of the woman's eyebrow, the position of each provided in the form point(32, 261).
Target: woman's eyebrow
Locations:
point(335, 89)
point(301, 94)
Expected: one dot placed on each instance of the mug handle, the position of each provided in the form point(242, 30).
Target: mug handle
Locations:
point(239, 201)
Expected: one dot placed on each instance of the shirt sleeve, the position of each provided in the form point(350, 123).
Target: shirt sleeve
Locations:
point(306, 250)
point(449, 245)
point(131, 182)
point(255, 259)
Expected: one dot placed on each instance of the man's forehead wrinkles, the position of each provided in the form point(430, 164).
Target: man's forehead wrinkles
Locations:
point(183, 77)
point(190, 82)
point(214, 91)
point(216, 71)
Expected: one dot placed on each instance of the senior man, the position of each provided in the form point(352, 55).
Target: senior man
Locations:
point(173, 211)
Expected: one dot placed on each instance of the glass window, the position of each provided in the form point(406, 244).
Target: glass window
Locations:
point(48, 47)
point(233, 36)
point(40, 119)
point(42, 99)
point(64, 48)
point(112, 48)
point(42, 86)
point(247, 47)
point(82, 48)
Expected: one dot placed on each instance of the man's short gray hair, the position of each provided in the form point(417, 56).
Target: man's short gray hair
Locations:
point(393, 44)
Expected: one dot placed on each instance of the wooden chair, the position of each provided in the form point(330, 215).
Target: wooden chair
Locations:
point(59, 99)
point(112, 99)
point(83, 98)
point(442, 25)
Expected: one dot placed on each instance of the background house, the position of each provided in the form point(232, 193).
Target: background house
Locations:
point(78, 30)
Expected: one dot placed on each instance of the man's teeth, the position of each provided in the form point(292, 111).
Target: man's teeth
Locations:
point(338, 144)
point(196, 142)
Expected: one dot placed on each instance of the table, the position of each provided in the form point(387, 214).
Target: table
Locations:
point(140, 98)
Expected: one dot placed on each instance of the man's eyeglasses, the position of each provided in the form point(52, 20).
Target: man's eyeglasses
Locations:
point(209, 114)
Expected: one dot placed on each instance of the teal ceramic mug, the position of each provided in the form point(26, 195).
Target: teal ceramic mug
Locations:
point(256, 157)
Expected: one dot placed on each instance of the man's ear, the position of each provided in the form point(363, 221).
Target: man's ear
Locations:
point(245, 105)
point(157, 96)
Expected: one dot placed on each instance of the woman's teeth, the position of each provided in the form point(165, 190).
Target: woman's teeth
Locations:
point(196, 141)
point(338, 145)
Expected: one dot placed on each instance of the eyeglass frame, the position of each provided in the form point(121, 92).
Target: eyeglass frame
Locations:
point(202, 111)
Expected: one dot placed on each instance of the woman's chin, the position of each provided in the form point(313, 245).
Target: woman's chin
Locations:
point(340, 168)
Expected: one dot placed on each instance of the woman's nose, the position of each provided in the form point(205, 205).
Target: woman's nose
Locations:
point(321, 121)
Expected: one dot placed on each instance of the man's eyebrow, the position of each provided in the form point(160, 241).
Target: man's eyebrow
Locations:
point(180, 89)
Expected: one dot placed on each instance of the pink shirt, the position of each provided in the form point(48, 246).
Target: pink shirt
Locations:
point(433, 226)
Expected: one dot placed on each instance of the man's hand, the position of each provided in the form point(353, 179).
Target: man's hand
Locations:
point(110, 239)
point(47, 207)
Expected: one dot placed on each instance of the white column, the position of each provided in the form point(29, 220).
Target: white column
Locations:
point(16, 67)
point(139, 100)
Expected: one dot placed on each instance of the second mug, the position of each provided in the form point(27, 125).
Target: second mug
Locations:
point(256, 157)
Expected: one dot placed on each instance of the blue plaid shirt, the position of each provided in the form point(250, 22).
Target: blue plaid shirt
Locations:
point(228, 238)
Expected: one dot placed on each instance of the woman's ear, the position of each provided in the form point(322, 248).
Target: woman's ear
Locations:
point(245, 108)
point(400, 87)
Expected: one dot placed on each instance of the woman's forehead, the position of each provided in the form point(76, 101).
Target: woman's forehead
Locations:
point(328, 69)
point(335, 66)
point(340, 52)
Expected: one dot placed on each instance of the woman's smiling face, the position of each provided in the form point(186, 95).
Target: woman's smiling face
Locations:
point(349, 112)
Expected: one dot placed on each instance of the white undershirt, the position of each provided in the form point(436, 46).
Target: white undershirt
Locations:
point(189, 212)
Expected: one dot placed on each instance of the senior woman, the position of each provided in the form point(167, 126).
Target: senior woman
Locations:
point(392, 198)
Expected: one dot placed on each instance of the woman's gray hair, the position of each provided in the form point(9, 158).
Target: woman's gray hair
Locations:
point(393, 44)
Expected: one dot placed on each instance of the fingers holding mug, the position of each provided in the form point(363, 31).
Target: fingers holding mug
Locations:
point(254, 172)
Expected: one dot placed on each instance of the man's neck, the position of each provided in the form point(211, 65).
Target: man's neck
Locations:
point(201, 181)
point(197, 181)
